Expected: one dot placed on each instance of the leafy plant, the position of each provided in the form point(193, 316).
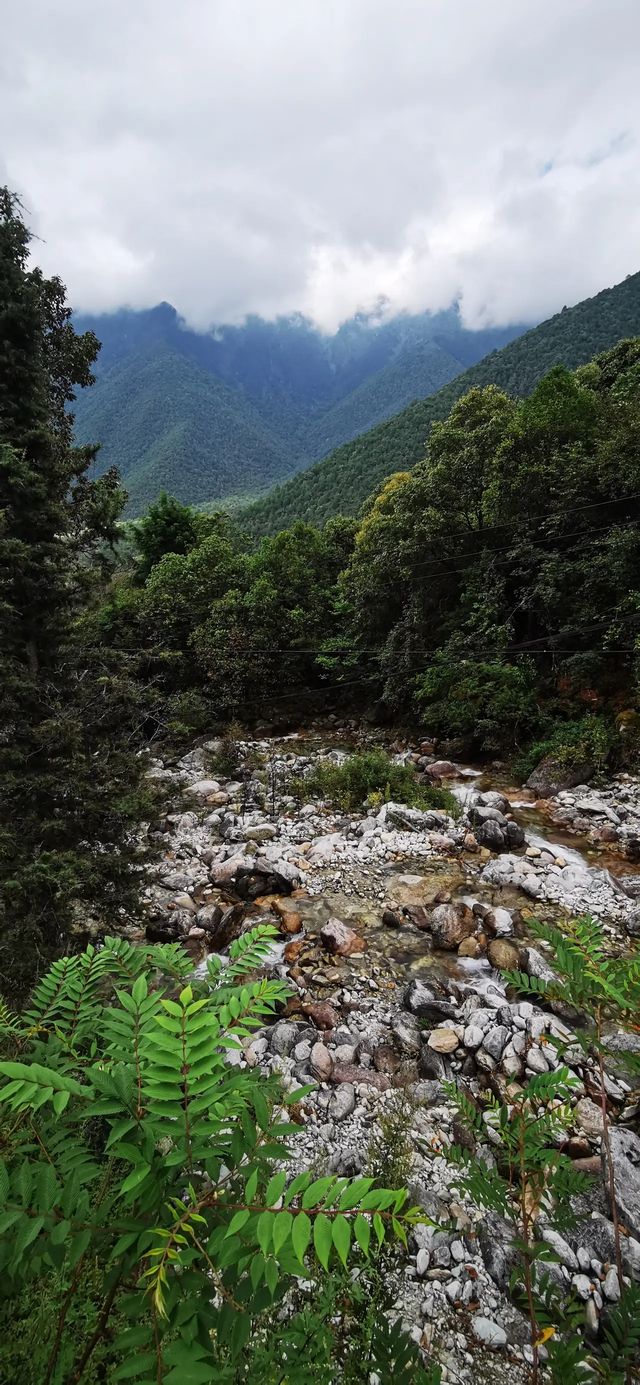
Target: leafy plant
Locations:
point(134, 1151)
point(351, 784)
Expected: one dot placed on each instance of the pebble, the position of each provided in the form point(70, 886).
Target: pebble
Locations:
point(488, 1332)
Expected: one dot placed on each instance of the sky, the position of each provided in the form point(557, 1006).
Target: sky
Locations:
point(326, 156)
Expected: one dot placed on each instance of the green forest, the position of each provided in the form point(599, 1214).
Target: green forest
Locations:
point(341, 483)
point(482, 587)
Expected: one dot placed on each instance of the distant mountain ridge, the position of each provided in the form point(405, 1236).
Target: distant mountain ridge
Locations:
point(342, 481)
point(207, 415)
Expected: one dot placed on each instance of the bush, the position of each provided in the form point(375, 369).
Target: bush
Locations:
point(591, 740)
point(144, 1179)
point(490, 706)
point(373, 777)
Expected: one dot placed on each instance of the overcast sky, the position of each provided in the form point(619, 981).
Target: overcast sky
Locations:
point(268, 156)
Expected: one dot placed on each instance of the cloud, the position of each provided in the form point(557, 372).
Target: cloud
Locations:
point(236, 157)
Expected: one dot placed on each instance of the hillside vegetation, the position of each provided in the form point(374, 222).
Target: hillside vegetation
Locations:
point(227, 413)
point(340, 483)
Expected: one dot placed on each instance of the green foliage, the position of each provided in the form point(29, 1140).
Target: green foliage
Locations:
point(342, 482)
point(572, 744)
point(144, 1173)
point(167, 527)
point(352, 783)
point(68, 781)
point(489, 705)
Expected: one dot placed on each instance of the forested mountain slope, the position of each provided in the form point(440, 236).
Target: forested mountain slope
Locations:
point(211, 414)
point(340, 483)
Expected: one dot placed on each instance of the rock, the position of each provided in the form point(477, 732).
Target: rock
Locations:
point(407, 1036)
point(495, 1040)
point(493, 799)
point(423, 1260)
point(503, 955)
point(442, 769)
point(469, 947)
point(473, 1036)
point(499, 922)
point(443, 1040)
point(260, 832)
point(588, 1117)
point(495, 1238)
point(412, 819)
point(421, 1000)
point(342, 1102)
point(321, 1013)
point(550, 777)
point(430, 1064)
point(349, 1073)
point(582, 1286)
point(339, 939)
point(386, 1060)
point(611, 1285)
point(283, 1037)
point(321, 1062)
point(392, 919)
point(536, 1061)
point(625, 1159)
point(450, 923)
point(488, 1332)
point(560, 1247)
point(203, 788)
point(500, 836)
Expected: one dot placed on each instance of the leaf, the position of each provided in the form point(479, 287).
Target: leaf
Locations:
point(275, 1189)
point(239, 1220)
point(135, 1178)
point(264, 1231)
point(301, 1235)
point(362, 1229)
point(341, 1232)
point(322, 1239)
point(281, 1230)
point(354, 1192)
point(317, 1191)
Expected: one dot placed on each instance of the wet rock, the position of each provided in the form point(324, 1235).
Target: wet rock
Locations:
point(625, 1160)
point(421, 1000)
point(499, 836)
point(470, 947)
point(499, 922)
point(392, 918)
point(450, 923)
point(339, 939)
point(442, 769)
point(503, 955)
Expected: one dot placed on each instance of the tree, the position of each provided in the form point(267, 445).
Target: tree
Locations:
point(167, 527)
point(66, 782)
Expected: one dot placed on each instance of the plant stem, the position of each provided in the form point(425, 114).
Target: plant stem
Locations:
point(95, 1337)
point(524, 1213)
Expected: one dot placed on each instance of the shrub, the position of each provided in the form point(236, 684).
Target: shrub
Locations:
point(351, 784)
point(490, 706)
point(591, 740)
point(143, 1180)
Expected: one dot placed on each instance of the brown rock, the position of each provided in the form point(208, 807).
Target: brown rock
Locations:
point(293, 950)
point(339, 939)
point(442, 769)
point(443, 1040)
point(290, 923)
point(350, 1072)
point(392, 918)
point(470, 843)
point(321, 1013)
point(469, 947)
point(450, 923)
point(576, 1148)
point(385, 1059)
point(503, 955)
point(321, 1062)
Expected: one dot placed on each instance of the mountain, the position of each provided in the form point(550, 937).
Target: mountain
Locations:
point(209, 415)
point(340, 483)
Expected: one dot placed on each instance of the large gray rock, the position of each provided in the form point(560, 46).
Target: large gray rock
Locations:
point(412, 819)
point(625, 1159)
point(499, 836)
point(551, 777)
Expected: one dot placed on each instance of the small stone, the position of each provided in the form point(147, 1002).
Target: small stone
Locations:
point(561, 1248)
point(536, 1061)
point(582, 1286)
point(321, 1062)
point(591, 1318)
point(339, 939)
point(473, 1036)
point(488, 1332)
point(423, 1260)
point(588, 1117)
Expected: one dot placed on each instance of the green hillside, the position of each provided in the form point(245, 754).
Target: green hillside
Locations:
point(169, 425)
point(340, 483)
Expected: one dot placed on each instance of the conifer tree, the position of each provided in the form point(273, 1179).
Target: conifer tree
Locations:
point(66, 777)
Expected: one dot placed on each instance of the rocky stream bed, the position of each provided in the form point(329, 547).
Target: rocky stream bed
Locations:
point(395, 926)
